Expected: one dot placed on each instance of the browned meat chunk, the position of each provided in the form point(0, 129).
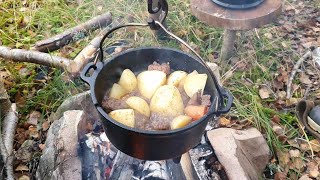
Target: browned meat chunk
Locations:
point(195, 100)
point(111, 104)
point(140, 120)
point(164, 67)
point(159, 122)
point(205, 100)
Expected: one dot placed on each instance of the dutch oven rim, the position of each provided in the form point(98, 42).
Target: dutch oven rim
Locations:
point(100, 109)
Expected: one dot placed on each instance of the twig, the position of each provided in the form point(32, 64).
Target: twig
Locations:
point(21, 55)
point(73, 34)
point(294, 71)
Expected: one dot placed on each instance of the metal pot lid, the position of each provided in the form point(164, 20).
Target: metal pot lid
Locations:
point(238, 4)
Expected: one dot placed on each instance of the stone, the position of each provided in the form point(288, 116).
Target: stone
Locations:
point(243, 153)
point(60, 159)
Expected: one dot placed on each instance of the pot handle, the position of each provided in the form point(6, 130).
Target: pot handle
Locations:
point(84, 73)
point(224, 107)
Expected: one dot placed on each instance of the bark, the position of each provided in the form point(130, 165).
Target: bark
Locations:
point(21, 55)
point(7, 131)
point(73, 34)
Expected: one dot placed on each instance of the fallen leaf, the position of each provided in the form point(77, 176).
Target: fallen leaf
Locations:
point(298, 163)
point(313, 169)
point(24, 72)
point(22, 167)
point(33, 117)
point(276, 119)
point(294, 153)
point(277, 84)
point(282, 94)
point(280, 176)
point(24, 177)
point(283, 77)
point(282, 138)
point(293, 143)
point(20, 135)
point(23, 154)
point(264, 93)
point(292, 102)
point(33, 132)
point(283, 157)
point(307, 45)
point(20, 100)
point(315, 145)
point(224, 121)
point(278, 130)
point(304, 147)
point(293, 176)
point(45, 125)
point(305, 79)
point(305, 177)
point(42, 146)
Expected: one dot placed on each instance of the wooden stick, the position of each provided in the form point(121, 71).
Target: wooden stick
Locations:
point(7, 135)
point(294, 71)
point(228, 44)
point(21, 55)
point(73, 34)
point(90, 50)
point(85, 55)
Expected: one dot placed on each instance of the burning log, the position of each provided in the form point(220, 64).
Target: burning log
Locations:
point(73, 34)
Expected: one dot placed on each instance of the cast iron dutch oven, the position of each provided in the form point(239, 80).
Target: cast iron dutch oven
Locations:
point(152, 145)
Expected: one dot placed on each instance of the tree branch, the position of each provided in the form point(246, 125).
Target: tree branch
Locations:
point(86, 54)
point(21, 55)
point(73, 34)
point(294, 71)
point(90, 50)
point(7, 136)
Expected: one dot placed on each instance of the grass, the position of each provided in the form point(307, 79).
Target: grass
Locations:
point(25, 22)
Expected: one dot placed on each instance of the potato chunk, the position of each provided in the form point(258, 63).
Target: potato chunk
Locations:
point(176, 77)
point(167, 101)
point(180, 121)
point(128, 80)
point(150, 81)
point(181, 83)
point(124, 116)
point(117, 91)
point(139, 105)
point(195, 82)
